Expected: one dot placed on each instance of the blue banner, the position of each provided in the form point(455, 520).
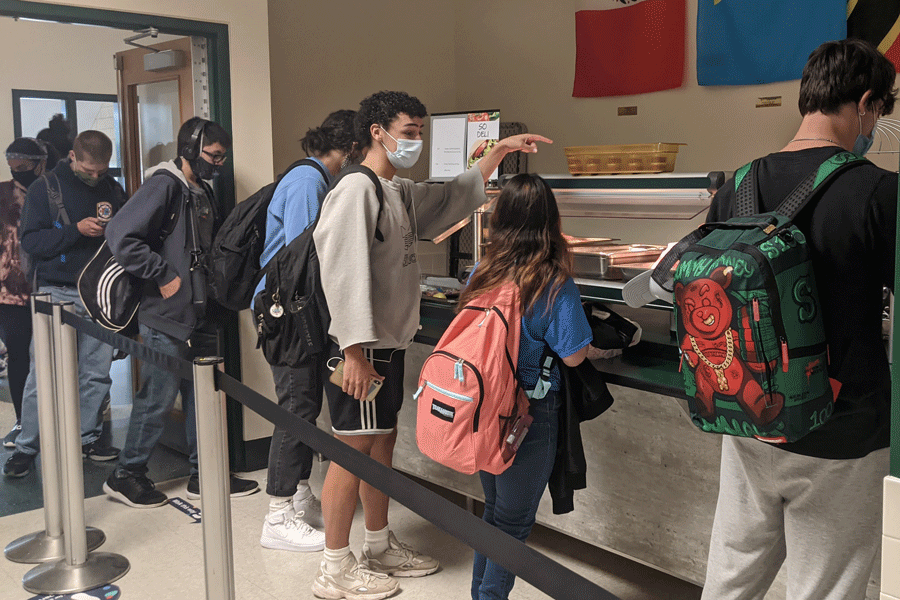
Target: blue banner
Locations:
point(749, 42)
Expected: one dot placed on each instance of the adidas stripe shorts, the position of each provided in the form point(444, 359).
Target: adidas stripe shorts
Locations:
point(350, 416)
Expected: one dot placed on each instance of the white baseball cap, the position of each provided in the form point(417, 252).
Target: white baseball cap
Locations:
point(643, 289)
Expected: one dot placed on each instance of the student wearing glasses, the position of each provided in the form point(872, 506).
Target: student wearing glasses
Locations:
point(173, 319)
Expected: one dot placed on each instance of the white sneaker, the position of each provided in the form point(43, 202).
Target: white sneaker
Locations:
point(286, 530)
point(353, 582)
point(399, 560)
point(311, 508)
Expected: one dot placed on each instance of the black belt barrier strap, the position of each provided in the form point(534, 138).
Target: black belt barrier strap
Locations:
point(540, 571)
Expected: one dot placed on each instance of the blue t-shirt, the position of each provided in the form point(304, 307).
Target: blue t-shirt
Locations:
point(564, 328)
point(294, 207)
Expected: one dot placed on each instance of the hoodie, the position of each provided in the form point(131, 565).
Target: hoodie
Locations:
point(134, 237)
point(59, 251)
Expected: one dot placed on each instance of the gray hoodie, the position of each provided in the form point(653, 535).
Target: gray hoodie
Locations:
point(134, 239)
point(372, 287)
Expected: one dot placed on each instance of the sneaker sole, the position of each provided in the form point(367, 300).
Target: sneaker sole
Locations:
point(195, 496)
point(16, 475)
point(124, 499)
point(278, 544)
point(399, 572)
point(96, 458)
point(320, 591)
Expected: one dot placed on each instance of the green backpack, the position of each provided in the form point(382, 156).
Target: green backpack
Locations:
point(753, 349)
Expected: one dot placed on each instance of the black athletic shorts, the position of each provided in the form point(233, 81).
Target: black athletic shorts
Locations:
point(350, 416)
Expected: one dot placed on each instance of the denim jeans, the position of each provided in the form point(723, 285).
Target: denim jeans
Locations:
point(299, 391)
point(94, 359)
point(155, 399)
point(511, 498)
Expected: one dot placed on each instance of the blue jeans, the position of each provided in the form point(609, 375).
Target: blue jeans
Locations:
point(159, 388)
point(94, 359)
point(511, 498)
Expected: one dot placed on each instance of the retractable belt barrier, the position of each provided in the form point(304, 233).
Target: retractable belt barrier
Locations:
point(526, 563)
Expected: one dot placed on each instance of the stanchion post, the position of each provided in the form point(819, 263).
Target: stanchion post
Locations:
point(78, 572)
point(215, 493)
point(47, 545)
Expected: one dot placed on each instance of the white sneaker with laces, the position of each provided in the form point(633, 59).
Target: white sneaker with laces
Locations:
point(353, 582)
point(311, 508)
point(399, 560)
point(286, 530)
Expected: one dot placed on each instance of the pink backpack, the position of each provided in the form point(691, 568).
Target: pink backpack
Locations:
point(469, 398)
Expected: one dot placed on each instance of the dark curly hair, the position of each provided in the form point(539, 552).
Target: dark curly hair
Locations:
point(335, 133)
point(383, 108)
point(843, 71)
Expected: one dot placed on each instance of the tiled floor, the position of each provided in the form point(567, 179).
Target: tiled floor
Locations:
point(164, 545)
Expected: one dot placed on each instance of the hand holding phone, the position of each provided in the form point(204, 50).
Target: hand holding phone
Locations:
point(337, 378)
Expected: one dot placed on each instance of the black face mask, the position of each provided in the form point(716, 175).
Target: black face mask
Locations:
point(25, 178)
point(203, 169)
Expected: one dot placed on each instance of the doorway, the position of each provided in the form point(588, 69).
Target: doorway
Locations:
point(143, 140)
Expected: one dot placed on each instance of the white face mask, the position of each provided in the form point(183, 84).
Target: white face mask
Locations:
point(407, 153)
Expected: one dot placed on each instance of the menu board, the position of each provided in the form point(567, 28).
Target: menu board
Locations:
point(459, 140)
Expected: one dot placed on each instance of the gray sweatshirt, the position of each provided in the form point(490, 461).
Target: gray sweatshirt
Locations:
point(372, 287)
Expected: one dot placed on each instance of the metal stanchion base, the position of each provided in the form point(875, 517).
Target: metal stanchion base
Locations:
point(99, 569)
point(36, 548)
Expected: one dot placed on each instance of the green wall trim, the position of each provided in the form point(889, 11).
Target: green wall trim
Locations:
point(220, 111)
point(895, 363)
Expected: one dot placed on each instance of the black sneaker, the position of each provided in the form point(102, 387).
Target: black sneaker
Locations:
point(239, 487)
point(18, 465)
point(134, 490)
point(99, 452)
point(10, 440)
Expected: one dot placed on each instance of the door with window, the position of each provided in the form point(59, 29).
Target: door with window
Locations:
point(156, 89)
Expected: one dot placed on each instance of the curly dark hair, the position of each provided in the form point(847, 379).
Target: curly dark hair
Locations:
point(383, 108)
point(335, 133)
point(843, 71)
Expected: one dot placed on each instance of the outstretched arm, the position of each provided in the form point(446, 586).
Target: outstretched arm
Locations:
point(525, 142)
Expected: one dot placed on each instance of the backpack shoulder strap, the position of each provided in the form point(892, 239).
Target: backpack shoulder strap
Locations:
point(379, 191)
point(305, 162)
point(746, 202)
point(816, 181)
point(173, 212)
point(54, 195)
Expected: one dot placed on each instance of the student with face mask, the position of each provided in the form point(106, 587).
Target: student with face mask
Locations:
point(27, 160)
point(59, 242)
point(173, 317)
point(371, 283)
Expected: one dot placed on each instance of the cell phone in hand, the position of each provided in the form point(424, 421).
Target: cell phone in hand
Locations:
point(337, 378)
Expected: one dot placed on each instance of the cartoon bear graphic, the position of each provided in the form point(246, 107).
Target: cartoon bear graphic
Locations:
point(711, 348)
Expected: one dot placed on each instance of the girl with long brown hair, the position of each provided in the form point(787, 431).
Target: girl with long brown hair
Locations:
point(527, 247)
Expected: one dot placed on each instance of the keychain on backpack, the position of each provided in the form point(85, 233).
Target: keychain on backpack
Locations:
point(276, 310)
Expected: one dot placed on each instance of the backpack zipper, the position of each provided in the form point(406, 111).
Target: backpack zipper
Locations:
point(477, 417)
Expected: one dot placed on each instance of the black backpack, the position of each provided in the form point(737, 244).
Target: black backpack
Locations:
point(290, 312)
point(234, 270)
point(110, 294)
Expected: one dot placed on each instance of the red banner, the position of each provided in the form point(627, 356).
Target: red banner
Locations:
point(632, 49)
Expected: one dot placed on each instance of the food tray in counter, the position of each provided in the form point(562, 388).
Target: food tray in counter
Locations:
point(627, 158)
point(607, 262)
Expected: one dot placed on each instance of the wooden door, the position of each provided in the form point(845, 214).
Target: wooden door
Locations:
point(154, 104)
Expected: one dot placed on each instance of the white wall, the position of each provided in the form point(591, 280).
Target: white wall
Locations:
point(32, 62)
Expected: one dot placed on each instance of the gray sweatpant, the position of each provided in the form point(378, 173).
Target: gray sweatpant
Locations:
point(821, 516)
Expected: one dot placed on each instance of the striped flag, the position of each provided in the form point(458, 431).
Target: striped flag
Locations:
point(749, 42)
point(629, 47)
point(876, 21)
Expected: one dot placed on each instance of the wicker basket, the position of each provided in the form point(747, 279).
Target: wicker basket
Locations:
point(628, 158)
